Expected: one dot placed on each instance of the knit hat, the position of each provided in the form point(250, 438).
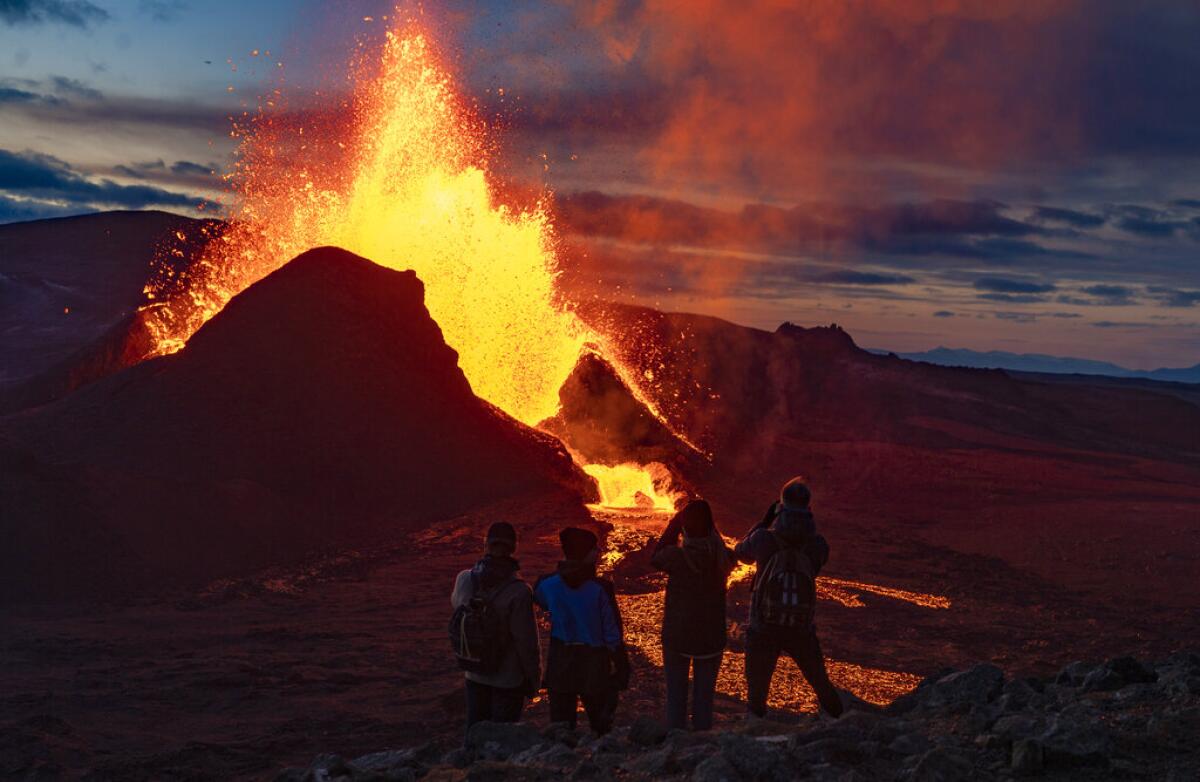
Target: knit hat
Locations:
point(697, 519)
point(502, 532)
point(795, 495)
point(576, 542)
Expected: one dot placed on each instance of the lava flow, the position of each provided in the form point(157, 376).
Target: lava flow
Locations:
point(642, 612)
point(402, 179)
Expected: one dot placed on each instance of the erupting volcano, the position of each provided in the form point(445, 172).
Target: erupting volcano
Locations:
point(404, 180)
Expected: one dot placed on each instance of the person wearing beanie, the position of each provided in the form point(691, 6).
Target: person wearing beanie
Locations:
point(587, 660)
point(499, 695)
point(694, 630)
point(786, 528)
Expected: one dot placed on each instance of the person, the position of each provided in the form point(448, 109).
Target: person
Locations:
point(787, 553)
point(587, 660)
point(693, 630)
point(497, 691)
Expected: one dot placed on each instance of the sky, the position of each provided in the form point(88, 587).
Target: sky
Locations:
point(1011, 176)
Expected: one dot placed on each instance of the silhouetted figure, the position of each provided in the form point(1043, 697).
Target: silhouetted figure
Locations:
point(693, 631)
point(494, 633)
point(587, 660)
point(787, 553)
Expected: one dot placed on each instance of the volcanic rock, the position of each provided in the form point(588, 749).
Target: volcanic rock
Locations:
point(320, 407)
point(602, 420)
point(1094, 736)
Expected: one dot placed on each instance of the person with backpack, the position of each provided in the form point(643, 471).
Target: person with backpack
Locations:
point(493, 632)
point(788, 554)
point(693, 631)
point(587, 660)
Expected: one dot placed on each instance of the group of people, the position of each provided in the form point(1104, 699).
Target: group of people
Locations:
point(494, 632)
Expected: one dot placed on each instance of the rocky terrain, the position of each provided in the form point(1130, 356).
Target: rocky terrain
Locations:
point(220, 562)
point(1123, 719)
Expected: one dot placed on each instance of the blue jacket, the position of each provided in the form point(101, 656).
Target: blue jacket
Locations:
point(580, 612)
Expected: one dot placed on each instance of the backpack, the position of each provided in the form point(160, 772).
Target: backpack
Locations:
point(785, 593)
point(478, 632)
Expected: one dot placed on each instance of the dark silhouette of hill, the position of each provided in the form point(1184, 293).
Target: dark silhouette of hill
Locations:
point(1041, 363)
point(741, 392)
point(321, 406)
point(66, 283)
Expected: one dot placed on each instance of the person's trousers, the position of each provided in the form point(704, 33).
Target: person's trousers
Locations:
point(763, 647)
point(599, 707)
point(704, 685)
point(495, 704)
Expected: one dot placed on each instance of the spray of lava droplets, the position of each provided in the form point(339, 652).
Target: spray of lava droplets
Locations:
point(399, 176)
point(407, 189)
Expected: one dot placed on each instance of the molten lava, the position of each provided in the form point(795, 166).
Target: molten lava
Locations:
point(629, 485)
point(405, 185)
point(402, 179)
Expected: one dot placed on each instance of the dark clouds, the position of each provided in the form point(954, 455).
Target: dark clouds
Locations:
point(1005, 285)
point(975, 229)
point(15, 210)
point(162, 10)
point(180, 173)
point(45, 178)
point(1175, 297)
point(77, 13)
point(774, 96)
point(1070, 217)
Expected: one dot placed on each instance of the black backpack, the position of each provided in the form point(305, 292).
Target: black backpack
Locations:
point(785, 592)
point(478, 633)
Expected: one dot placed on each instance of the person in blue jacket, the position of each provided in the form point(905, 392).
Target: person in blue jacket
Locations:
point(587, 660)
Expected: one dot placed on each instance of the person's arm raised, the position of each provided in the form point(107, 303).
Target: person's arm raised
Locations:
point(667, 544)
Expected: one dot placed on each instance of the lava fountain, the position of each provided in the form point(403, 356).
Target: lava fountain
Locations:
point(399, 178)
point(399, 174)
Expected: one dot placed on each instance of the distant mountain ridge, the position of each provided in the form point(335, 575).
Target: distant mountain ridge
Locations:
point(1039, 362)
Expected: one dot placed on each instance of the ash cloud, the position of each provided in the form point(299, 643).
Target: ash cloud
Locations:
point(775, 96)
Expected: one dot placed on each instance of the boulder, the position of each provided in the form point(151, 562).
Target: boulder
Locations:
point(500, 740)
point(647, 731)
point(1073, 674)
point(1014, 727)
point(910, 744)
point(654, 764)
point(562, 733)
point(976, 685)
point(754, 758)
point(942, 764)
point(1027, 757)
point(395, 764)
point(1074, 739)
point(1116, 673)
point(716, 769)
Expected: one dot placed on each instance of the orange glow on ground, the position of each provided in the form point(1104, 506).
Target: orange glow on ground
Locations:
point(642, 614)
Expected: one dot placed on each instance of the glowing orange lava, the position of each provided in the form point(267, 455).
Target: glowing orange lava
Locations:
point(404, 184)
point(401, 178)
point(629, 485)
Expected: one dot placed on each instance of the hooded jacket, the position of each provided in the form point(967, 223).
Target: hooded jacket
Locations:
point(694, 609)
point(521, 666)
point(581, 611)
point(587, 652)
